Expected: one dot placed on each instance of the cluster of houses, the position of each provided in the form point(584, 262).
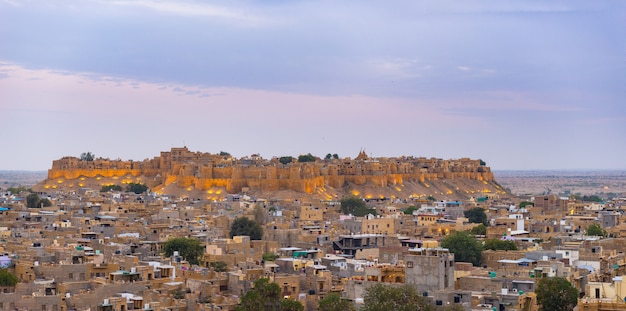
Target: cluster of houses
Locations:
point(104, 251)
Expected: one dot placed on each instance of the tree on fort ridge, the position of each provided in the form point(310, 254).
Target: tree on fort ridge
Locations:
point(331, 156)
point(285, 159)
point(87, 156)
point(306, 158)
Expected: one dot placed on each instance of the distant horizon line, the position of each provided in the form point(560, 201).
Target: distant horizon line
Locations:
point(493, 170)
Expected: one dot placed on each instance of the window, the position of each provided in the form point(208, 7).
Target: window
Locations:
point(409, 264)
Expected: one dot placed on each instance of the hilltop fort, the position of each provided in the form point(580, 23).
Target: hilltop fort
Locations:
point(181, 171)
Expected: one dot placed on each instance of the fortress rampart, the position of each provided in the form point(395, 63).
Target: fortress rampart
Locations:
point(203, 171)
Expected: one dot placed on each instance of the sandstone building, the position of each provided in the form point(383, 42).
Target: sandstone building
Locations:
point(216, 175)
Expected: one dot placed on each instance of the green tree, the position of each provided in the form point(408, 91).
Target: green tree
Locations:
point(464, 247)
point(497, 244)
point(285, 159)
point(291, 305)
point(479, 230)
point(409, 210)
point(335, 156)
point(32, 200)
point(596, 230)
point(264, 296)
point(178, 294)
point(556, 294)
point(45, 202)
point(576, 197)
point(306, 158)
point(591, 198)
point(525, 203)
point(476, 215)
point(189, 248)
point(431, 198)
point(270, 257)
point(333, 302)
point(355, 206)
point(219, 266)
point(87, 156)
point(381, 297)
point(351, 203)
point(328, 156)
point(108, 188)
point(137, 188)
point(6, 278)
point(245, 226)
point(224, 154)
point(17, 190)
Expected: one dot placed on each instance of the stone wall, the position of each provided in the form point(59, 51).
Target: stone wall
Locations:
point(203, 171)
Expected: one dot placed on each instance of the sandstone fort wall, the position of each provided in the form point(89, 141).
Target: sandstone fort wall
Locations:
point(203, 171)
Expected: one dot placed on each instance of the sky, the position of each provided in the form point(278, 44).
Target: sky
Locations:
point(519, 84)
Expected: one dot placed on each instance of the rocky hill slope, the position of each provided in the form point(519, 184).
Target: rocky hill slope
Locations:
point(181, 172)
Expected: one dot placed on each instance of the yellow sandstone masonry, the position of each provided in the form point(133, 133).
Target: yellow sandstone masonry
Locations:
point(204, 171)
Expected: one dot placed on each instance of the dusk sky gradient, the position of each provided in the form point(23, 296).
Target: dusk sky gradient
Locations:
point(519, 84)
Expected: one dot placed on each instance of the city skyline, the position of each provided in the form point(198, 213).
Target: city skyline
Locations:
point(533, 85)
